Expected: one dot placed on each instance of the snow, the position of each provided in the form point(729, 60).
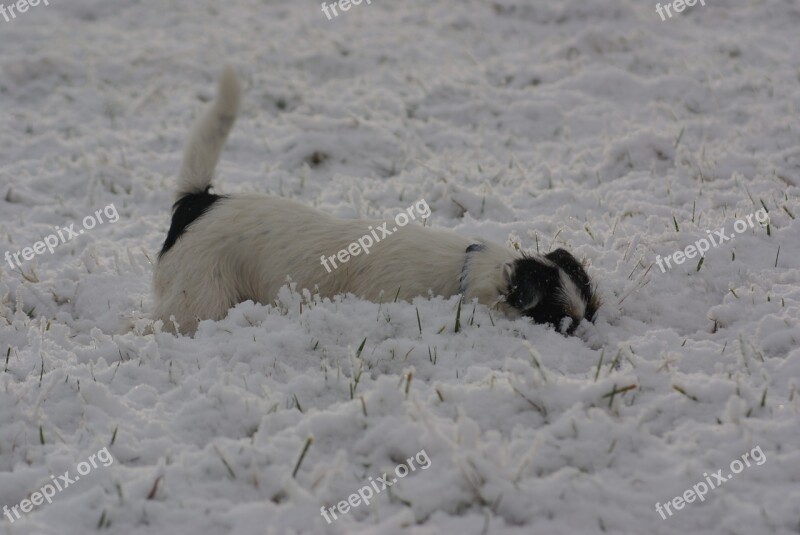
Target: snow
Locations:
point(593, 126)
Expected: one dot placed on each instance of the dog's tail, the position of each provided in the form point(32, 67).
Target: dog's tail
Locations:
point(208, 135)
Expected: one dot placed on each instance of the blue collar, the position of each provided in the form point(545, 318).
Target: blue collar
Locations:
point(462, 277)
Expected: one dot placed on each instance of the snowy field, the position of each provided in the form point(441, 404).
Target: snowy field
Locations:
point(586, 124)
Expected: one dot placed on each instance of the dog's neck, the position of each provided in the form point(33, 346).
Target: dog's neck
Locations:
point(484, 275)
point(462, 277)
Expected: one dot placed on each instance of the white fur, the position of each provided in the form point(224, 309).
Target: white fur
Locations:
point(248, 247)
point(570, 295)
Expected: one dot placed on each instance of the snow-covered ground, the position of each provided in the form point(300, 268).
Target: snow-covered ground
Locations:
point(591, 125)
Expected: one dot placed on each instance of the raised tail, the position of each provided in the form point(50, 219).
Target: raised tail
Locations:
point(208, 135)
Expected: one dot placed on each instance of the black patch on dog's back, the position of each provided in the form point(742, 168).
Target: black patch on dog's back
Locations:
point(185, 211)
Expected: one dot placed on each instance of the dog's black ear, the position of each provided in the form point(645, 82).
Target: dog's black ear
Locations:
point(567, 262)
point(575, 270)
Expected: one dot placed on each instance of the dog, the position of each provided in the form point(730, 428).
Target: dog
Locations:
point(224, 249)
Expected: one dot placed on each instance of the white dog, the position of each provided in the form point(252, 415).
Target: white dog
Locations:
point(222, 250)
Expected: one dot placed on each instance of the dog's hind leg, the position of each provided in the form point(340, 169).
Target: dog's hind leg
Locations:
point(196, 296)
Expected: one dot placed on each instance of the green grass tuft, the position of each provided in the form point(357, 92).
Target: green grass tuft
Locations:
point(458, 316)
point(309, 441)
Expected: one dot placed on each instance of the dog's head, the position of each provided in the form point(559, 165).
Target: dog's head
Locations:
point(550, 288)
